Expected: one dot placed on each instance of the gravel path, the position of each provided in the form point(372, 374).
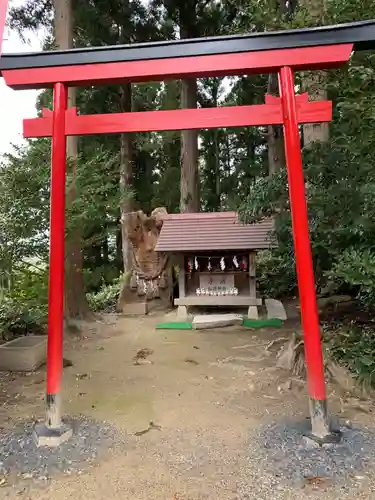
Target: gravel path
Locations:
point(284, 454)
point(20, 459)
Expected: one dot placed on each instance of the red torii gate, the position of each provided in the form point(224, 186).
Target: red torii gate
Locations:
point(307, 49)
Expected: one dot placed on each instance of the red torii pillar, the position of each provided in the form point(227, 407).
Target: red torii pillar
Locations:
point(320, 425)
point(53, 432)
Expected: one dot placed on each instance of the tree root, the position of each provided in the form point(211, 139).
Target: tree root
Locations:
point(291, 357)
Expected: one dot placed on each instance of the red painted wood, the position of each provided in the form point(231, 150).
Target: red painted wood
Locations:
point(185, 67)
point(57, 243)
point(302, 246)
point(236, 116)
point(3, 15)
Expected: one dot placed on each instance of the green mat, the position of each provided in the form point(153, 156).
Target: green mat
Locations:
point(247, 323)
point(262, 323)
point(175, 325)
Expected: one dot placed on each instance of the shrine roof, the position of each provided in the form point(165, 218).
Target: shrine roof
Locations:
point(206, 231)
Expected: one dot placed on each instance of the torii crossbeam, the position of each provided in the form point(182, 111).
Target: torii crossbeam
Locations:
point(283, 52)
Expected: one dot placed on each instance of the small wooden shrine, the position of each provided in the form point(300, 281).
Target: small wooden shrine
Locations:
point(216, 255)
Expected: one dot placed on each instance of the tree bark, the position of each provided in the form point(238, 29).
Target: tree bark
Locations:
point(119, 247)
point(126, 178)
point(189, 183)
point(126, 202)
point(275, 136)
point(75, 305)
point(315, 82)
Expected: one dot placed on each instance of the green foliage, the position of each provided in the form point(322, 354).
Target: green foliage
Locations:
point(30, 286)
point(276, 274)
point(23, 304)
point(105, 299)
point(354, 347)
point(17, 320)
point(356, 268)
point(340, 191)
point(24, 202)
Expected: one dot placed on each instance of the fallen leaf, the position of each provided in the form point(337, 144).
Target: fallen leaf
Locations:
point(192, 361)
point(149, 428)
point(142, 354)
point(2, 482)
point(315, 481)
point(67, 363)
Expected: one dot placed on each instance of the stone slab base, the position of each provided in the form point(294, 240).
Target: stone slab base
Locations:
point(203, 322)
point(24, 354)
point(182, 313)
point(275, 309)
point(136, 308)
point(45, 436)
point(252, 312)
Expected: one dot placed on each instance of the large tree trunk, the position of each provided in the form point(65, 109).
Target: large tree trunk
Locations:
point(126, 202)
point(76, 305)
point(126, 179)
point(275, 136)
point(315, 82)
point(189, 184)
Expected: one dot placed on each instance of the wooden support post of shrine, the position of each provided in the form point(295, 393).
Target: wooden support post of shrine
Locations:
point(182, 310)
point(253, 309)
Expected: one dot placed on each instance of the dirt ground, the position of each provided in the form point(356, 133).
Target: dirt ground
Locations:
point(207, 390)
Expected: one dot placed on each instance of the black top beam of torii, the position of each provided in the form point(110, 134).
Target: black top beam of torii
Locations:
point(361, 34)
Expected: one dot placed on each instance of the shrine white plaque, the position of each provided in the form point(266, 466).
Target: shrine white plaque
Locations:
point(216, 282)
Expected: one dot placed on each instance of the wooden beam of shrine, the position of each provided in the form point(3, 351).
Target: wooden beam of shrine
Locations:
point(181, 119)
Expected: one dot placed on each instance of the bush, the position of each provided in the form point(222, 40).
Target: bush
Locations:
point(30, 288)
point(356, 268)
point(17, 320)
point(276, 274)
point(353, 346)
point(23, 306)
point(106, 299)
